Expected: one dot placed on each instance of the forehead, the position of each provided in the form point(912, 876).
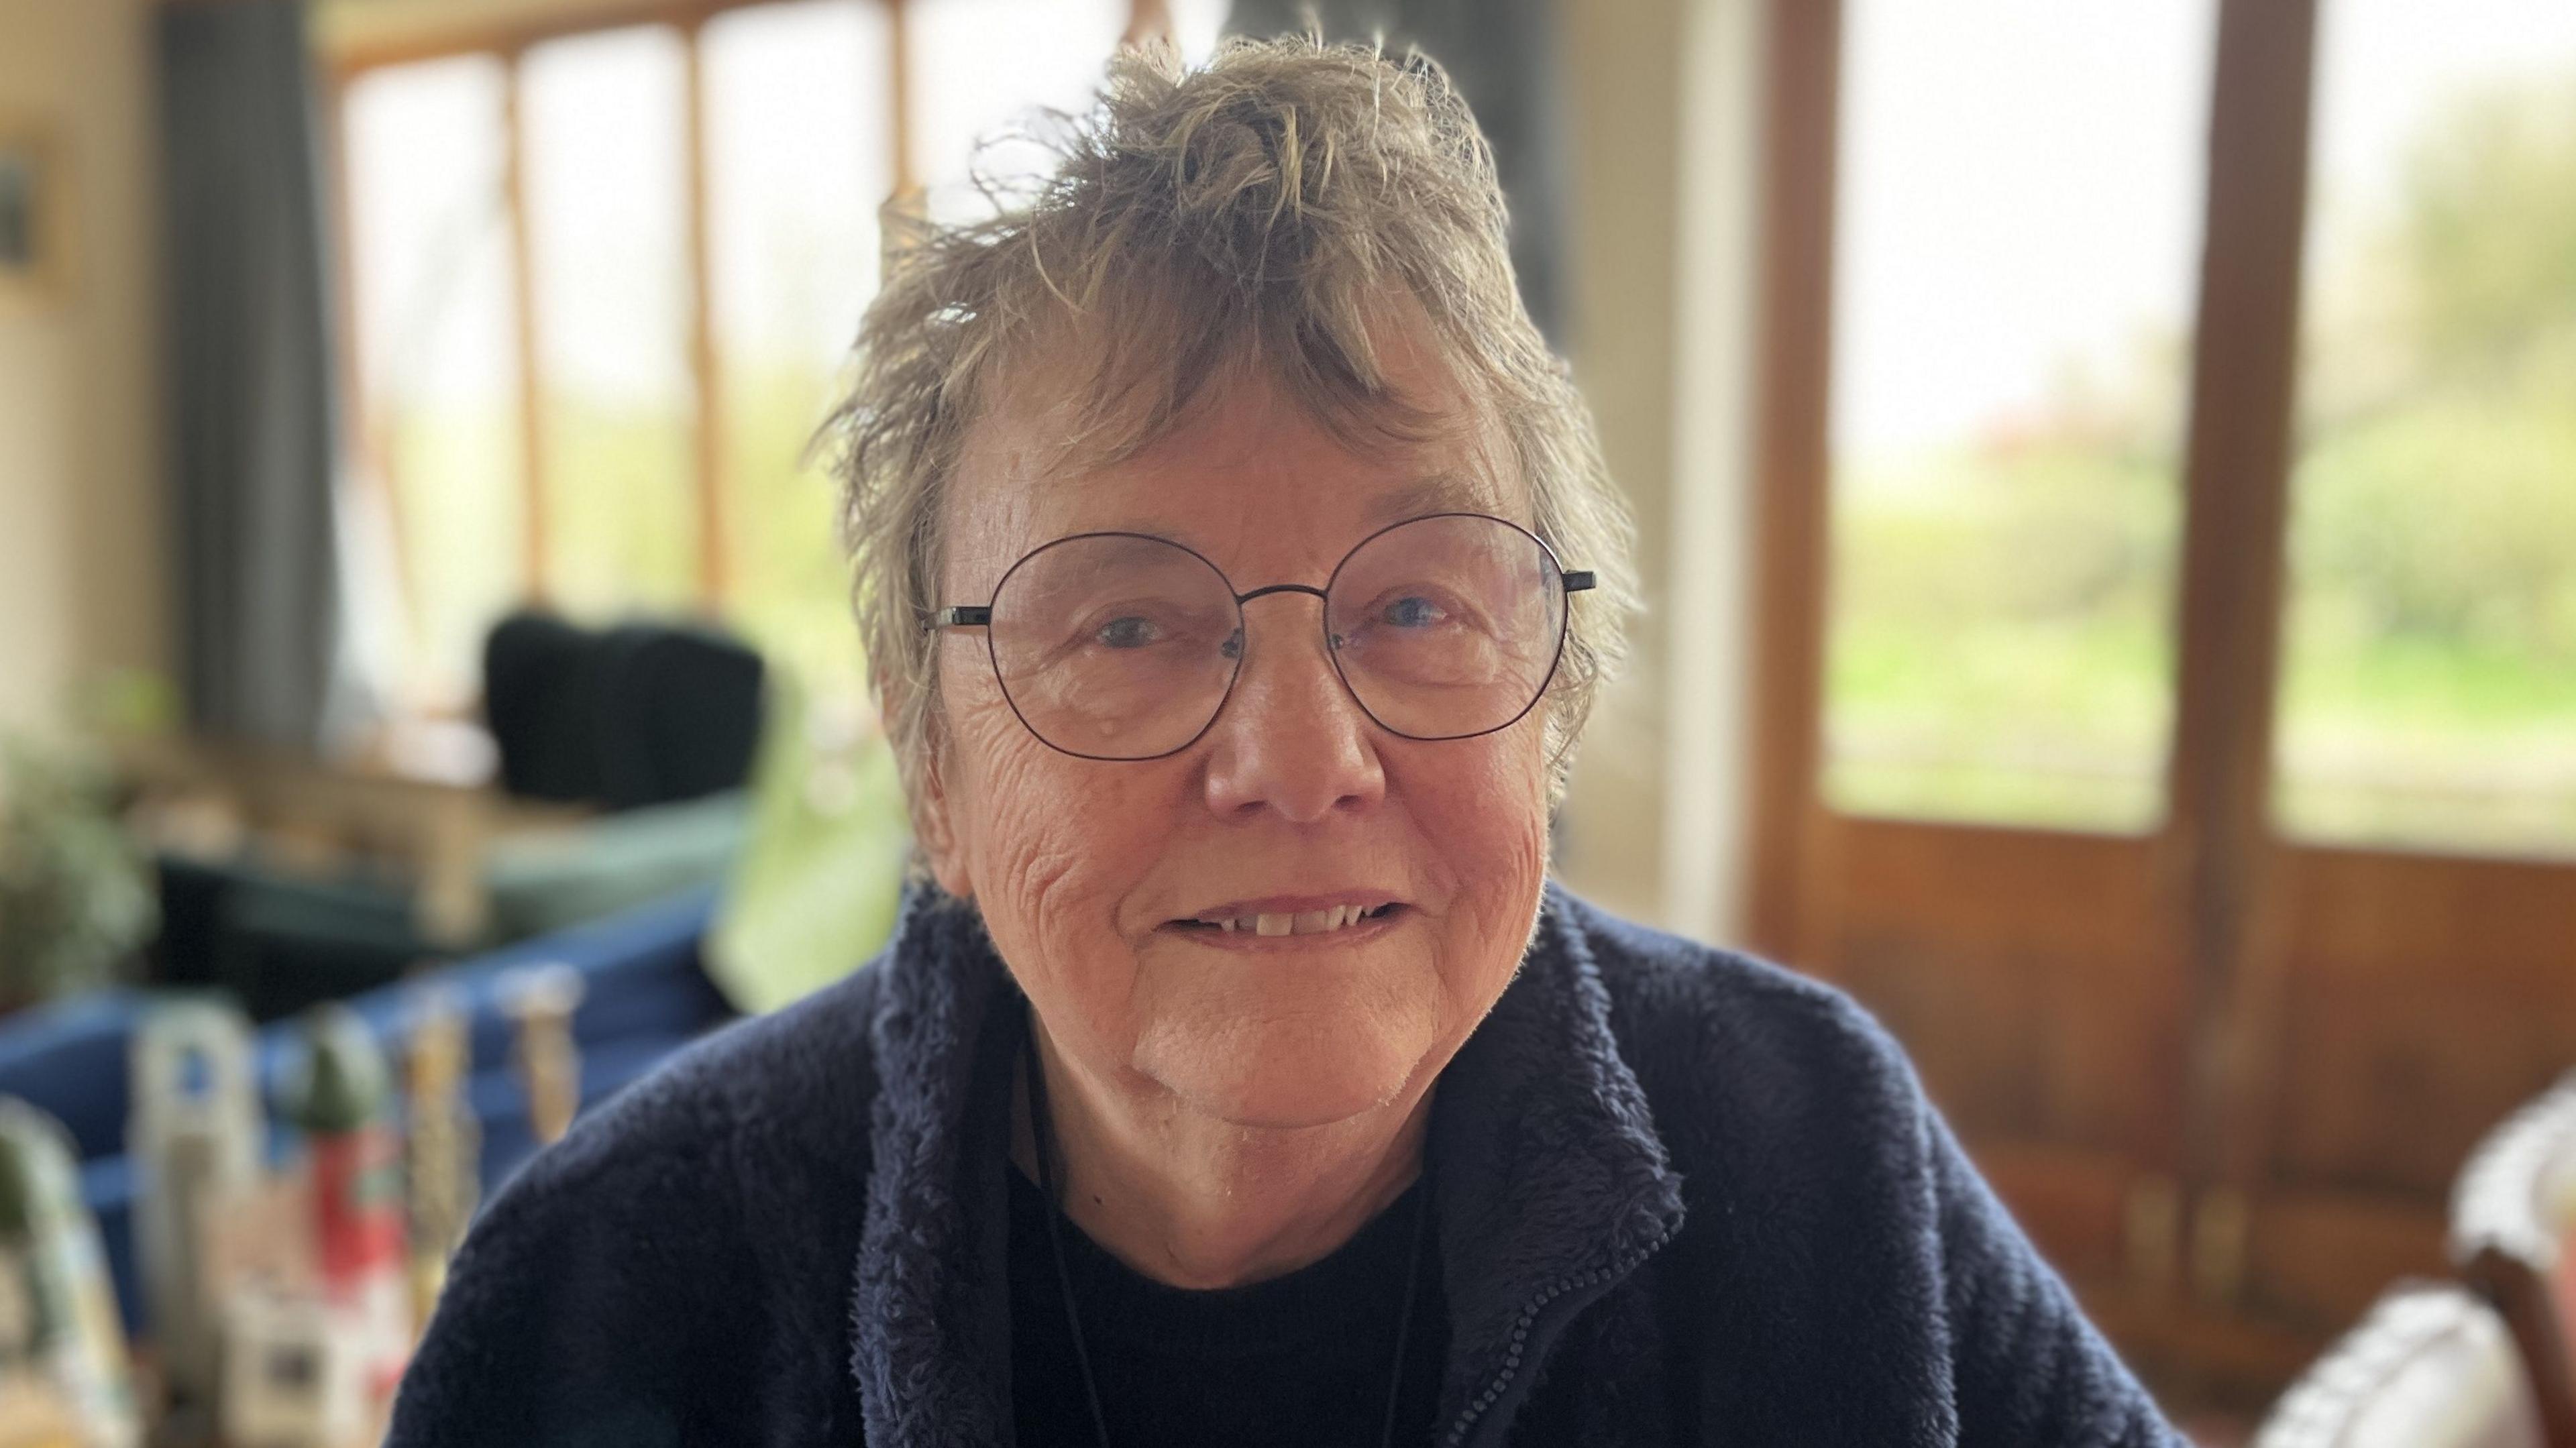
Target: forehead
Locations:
point(1248, 478)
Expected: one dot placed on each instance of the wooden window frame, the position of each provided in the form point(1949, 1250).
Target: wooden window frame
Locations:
point(2287, 968)
point(2235, 472)
point(508, 42)
point(2215, 835)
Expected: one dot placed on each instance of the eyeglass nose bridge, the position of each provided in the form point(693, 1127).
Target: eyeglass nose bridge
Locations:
point(1243, 626)
point(1243, 643)
point(1241, 599)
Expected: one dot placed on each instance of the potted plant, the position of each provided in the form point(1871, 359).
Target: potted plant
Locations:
point(76, 890)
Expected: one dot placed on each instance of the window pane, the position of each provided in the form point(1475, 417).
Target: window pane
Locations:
point(2019, 222)
point(2428, 692)
point(437, 361)
point(982, 67)
point(604, 119)
point(798, 160)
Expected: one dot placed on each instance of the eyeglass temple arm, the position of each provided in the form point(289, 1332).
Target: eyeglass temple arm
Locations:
point(978, 616)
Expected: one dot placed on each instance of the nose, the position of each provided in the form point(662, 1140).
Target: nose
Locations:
point(1292, 739)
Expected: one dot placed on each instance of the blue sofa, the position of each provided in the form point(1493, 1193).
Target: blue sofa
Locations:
point(646, 994)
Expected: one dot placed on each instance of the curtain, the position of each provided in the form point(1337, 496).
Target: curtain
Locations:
point(250, 380)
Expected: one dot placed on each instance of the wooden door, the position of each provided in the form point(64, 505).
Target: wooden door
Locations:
point(2221, 1072)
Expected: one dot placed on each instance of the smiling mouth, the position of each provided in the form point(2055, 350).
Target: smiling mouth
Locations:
point(1282, 923)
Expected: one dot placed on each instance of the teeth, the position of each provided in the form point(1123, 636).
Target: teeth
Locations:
point(1303, 922)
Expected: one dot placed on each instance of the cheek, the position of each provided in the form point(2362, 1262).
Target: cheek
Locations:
point(1052, 846)
point(1018, 804)
point(1489, 797)
point(1481, 807)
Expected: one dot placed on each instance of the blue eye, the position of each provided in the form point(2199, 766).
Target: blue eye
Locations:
point(1414, 612)
point(1128, 633)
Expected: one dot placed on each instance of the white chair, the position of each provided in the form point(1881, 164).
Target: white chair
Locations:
point(2513, 1240)
point(2430, 1366)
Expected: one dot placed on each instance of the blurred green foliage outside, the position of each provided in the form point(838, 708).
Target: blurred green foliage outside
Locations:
point(2002, 637)
point(2429, 689)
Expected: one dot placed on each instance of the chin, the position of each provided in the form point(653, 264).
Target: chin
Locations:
point(1284, 1073)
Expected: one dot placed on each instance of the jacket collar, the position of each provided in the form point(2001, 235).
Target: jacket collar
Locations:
point(929, 1308)
point(1548, 1177)
point(1551, 1182)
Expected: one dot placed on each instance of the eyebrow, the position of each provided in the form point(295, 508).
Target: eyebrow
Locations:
point(1436, 493)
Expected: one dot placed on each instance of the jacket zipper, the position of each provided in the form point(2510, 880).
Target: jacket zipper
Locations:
point(1620, 1267)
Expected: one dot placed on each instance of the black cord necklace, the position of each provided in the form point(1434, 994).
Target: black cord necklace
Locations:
point(1044, 1142)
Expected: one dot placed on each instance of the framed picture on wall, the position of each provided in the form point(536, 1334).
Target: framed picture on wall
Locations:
point(35, 216)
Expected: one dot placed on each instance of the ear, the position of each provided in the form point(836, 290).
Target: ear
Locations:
point(934, 832)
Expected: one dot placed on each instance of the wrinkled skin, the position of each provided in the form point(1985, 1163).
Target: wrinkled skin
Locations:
point(1302, 1068)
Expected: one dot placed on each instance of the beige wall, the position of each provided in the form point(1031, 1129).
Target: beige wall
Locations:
point(1665, 101)
point(83, 580)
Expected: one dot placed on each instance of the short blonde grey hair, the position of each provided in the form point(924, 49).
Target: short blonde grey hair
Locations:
point(1257, 212)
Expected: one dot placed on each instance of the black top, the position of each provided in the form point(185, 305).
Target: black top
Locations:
point(1679, 1197)
point(1298, 1360)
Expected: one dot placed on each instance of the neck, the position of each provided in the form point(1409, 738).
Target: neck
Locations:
point(1195, 1201)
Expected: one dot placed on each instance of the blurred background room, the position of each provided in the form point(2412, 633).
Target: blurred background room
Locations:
point(2105, 474)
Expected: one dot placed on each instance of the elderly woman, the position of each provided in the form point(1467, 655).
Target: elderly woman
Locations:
point(1236, 567)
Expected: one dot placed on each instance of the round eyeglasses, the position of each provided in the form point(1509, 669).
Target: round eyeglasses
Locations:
point(1125, 646)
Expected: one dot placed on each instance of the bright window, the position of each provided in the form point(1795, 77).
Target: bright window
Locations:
point(437, 361)
point(604, 121)
point(2019, 218)
point(593, 350)
point(798, 159)
point(2428, 694)
point(977, 95)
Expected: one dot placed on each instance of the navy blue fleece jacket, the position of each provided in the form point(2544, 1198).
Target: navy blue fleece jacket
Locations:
point(1682, 1197)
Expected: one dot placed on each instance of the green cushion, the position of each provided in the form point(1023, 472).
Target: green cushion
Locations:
point(542, 883)
point(814, 892)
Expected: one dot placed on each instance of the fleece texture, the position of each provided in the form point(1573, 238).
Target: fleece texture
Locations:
point(1682, 1198)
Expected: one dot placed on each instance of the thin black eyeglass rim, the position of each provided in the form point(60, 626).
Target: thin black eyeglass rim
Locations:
point(1572, 581)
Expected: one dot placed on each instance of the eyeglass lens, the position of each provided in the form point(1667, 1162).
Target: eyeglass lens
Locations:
point(1120, 646)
